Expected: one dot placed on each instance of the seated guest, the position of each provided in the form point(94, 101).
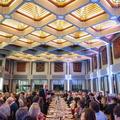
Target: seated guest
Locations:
point(88, 114)
point(117, 112)
point(28, 117)
point(3, 116)
point(118, 97)
point(99, 114)
point(1, 102)
point(103, 104)
point(73, 106)
point(22, 111)
point(1, 96)
point(35, 111)
point(5, 108)
point(78, 109)
point(69, 98)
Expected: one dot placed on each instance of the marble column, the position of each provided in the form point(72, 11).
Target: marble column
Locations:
point(49, 75)
point(98, 72)
point(109, 70)
point(91, 75)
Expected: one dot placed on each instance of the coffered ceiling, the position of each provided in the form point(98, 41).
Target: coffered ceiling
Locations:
point(56, 30)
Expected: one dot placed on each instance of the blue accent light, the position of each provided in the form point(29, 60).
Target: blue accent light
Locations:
point(59, 37)
point(60, 17)
point(82, 29)
point(29, 0)
point(38, 28)
point(118, 18)
point(113, 17)
point(7, 16)
point(97, 37)
point(94, 1)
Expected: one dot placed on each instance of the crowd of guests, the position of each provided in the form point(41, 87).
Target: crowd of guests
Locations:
point(25, 106)
point(34, 106)
point(93, 106)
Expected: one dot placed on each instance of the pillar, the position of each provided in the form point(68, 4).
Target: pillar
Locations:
point(3, 72)
point(68, 76)
point(98, 71)
point(65, 84)
point(49, 74)
point(30, 75)
point(91, 75)
point(109, 70)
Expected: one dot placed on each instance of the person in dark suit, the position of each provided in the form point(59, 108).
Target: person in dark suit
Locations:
point(42, 95)
point(110, 108)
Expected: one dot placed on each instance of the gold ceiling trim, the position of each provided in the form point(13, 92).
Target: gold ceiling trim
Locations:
point(7, 35)
point(114, 3)
point(60, 25)
point(41, 34)
point(94, 43)
point(104, 25)
point(6, 3)
point(61, 3)
point(15, 24)
point(59, 41)
point(33, 11)
point(24, 40)
point(78, 34)
point(88, 12)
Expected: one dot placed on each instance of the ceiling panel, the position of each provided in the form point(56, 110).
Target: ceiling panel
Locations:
point(61, 3)
point(14, 24)
point(88, 12)
point(33, 11)
point(6, 3)
point(60, 25)
point(56, 30)
point(105, 25)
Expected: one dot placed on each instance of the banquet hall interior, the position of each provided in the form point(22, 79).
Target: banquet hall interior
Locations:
point(60, 45)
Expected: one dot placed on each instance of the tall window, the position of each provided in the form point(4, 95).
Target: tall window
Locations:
point(104, 56)
point(7, 65)
point(116, 48)
point(58, 67)
point(94, 62)
point(77, 66)
point(0, 62)
point(40, 67)
point(21, 66)
point(88, 65)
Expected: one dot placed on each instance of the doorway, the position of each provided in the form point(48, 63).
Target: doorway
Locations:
point(58, 85)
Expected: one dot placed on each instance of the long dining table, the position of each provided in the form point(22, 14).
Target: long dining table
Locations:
point(59, 110)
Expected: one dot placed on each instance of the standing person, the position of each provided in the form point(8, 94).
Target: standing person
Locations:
point(69, 98)
point(110, 108)
point(96, 108)
point(43, 99)
point(13, 108)
point(88, 114)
